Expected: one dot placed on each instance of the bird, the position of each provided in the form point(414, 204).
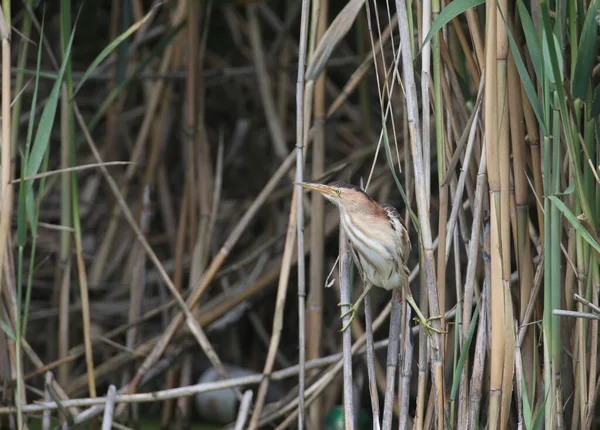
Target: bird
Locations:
point(379, 242)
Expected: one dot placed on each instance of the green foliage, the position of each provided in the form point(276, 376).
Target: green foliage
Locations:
point(451, 11)
point(587, 51)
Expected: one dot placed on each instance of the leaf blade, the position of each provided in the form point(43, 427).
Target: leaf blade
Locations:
point(584, 64)
point(111, 47)
point(447, 14)
point(338, 28)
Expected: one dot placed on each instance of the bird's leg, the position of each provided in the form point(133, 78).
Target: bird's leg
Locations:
point(424, 321)
point(354, 307)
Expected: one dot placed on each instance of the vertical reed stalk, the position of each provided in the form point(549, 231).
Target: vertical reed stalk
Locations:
point(425, 236)
point(493, 155)
point(317, 217)
point(346, 298)
point(300, 125)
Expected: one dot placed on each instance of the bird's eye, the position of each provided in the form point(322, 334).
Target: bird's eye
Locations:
point(338, 192)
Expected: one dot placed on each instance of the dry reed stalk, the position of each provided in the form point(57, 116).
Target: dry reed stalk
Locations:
point(162, 121)
point(317, 216)
point(85, 307)
point(258, 56)
point(333, 359)
point(357, 333)
point(177, 281)
point(426, 57)
point(392, 360)
point(283, 77)
point(426, 240)
point(279, 309)
point(63, 322)
point(46, 417)
point(496, 282)
point(469, 55)
point(151, 106)
point(302, 121)
point(63, 273)
point(458, 193)
point(371, 373)
point(199, 167)
point(474, 29)
point(314, 391)
point(107, 419)
point(442, 251)
point(475, 387)
point(594, 380)
point(523, 247)
point(6, 188)
point(346, 298)
point(503, 121)
point(209, 314)
point(361, 72)
point(191, 322)
point(405, 369)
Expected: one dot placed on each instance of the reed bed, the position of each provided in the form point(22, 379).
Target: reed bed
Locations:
point(151, 231)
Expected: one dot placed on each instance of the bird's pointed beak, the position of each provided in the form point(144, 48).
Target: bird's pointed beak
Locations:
point(323, 189)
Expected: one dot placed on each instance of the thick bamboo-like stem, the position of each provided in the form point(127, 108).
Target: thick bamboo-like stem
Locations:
point(496, 273)
point(523, 247)
point(502, 107)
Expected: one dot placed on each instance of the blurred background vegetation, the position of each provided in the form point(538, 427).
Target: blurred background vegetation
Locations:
point(148, 222)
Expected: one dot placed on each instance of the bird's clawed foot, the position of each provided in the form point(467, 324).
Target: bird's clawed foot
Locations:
point(351, 311)
point(421, 318)
point(427, 326)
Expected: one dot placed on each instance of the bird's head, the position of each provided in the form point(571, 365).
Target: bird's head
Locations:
point(344, 196)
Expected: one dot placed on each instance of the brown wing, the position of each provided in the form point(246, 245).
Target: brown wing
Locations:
point(395, 221)
point(403, 240)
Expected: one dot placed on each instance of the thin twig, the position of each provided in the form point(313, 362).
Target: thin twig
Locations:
point(575, 314)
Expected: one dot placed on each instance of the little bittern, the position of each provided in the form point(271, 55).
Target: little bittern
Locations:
point(380, 242)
